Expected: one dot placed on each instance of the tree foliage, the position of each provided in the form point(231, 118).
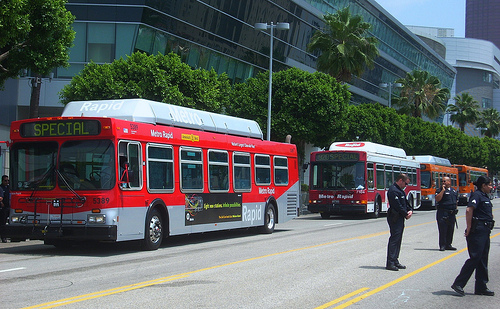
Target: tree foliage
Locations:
point(421, 95)
point(464, 111)
point(34, 35)
point(346, 46)
point(308, 106)
point(489, 122)
point(163, 78)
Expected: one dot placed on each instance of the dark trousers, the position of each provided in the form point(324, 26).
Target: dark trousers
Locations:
point(446, 227)
point(478, 244)
point(4, 214)
point(396, 226)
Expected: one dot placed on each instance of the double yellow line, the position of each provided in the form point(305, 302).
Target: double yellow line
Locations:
point(80, 298)
point(385, 286)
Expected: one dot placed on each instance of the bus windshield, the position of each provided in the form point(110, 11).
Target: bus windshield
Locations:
point(462, 179)
point(425, 180)
point(32, 166)
point(339, 175)
point(87, 165)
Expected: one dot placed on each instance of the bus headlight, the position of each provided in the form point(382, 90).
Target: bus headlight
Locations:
point(18, 219)
point(96, 219)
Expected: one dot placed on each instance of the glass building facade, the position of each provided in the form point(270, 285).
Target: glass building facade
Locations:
point(220, 34)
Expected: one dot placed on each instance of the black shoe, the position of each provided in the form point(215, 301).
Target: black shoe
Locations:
point(392, 267)
point(451, 248)
point(458, 289)
point(400, 266)
point(442, 248)
point(486, 292)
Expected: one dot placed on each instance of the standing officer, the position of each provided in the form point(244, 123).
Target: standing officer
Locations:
point(399, 210)
point(479, 218)
point(446, 199)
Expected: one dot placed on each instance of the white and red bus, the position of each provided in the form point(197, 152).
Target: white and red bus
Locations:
point(120, 170)
point(354, 178)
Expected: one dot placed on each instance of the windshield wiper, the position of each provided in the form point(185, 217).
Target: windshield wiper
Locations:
point(61, 176)
point(36, 183)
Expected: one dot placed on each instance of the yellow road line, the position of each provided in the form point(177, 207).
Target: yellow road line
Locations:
point(338, 300)
point(385, 286)
point(84, 297)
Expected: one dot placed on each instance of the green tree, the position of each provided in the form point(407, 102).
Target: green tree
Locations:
point(345, 44)
point(35, 35)
point(163, 78)
point(489, 122)
point(465, 110)
point(308, 106)
point(421, 95)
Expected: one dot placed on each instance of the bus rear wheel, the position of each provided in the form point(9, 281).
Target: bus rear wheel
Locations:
point(153, 231)
point(269, 220)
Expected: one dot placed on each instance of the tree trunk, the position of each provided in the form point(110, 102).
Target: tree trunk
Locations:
point(36, 85)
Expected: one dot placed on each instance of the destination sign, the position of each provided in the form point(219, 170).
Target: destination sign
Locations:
point(337, 156)
point(60, 128)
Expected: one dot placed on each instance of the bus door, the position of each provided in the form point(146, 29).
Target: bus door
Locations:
point(133, 203)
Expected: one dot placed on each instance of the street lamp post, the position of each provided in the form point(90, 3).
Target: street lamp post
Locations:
point(265, 26)
point(390, 86)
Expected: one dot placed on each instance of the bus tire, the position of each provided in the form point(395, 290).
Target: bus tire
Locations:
point(269, 220)
point(376, 209)
point(411, 201)
point(325, 215)
point(153, 231)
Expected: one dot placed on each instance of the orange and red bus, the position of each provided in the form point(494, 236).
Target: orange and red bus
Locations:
point(466, 176)
point(120, 170)
point(354, 177)
point(432, 171)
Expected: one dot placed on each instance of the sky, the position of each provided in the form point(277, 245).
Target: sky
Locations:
point(428, 13)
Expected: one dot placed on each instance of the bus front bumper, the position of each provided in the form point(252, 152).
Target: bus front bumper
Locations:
point(58, 232)
point(337, 208)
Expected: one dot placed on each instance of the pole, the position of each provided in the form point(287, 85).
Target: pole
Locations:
point(270, 85)
point(390, 93)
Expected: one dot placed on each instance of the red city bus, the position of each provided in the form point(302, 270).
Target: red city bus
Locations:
point(119, 170)
point(466, 176)
point(432, 170)
point(354, 178)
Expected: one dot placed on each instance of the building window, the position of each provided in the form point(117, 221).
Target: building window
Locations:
point(486, 103)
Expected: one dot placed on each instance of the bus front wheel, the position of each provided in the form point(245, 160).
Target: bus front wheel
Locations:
point(153, 231)
point(269, 220)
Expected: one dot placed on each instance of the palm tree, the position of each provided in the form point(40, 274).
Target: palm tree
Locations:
point(465, 110)
point(421, 95)
point(345, 45)
point(489, 123)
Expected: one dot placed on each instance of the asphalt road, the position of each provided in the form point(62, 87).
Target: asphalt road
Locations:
point(307, 263)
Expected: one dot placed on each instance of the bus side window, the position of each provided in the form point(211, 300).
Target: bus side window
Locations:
point(262, 170)
point(369, 171)
point(191, 169)
point(280, 171)
point(380, 177)
point(242, 178)
point(218, 170)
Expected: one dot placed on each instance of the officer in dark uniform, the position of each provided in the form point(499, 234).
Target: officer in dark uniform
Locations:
point(479, 218)
point(399, 210)
point(446, 199)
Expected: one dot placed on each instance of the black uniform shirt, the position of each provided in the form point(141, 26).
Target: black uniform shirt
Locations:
point(397, 200)
point(449, 200)
point(483, 209)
